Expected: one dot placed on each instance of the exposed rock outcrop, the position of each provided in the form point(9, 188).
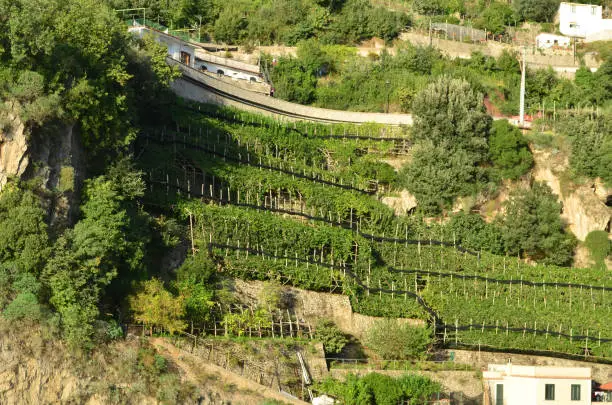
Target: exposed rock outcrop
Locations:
point(583, 209)
point(403, 204)
point(14, 158)
point(51, 154)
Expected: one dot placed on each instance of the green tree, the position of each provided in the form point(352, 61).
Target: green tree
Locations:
point(109, 240)
point(450, 129)
point(591, 142)
point(603, 78)
point(194, 281)
point(391, 340)
point(532, 226)
point(230, 26)
point(495, 18)
point(429, 7)
point(438, 174)
point(472, 232)
point(156, 306)
point(294, 82)
point(509, 150)
point(536, 10)
point(24, 243)
point(450, 110)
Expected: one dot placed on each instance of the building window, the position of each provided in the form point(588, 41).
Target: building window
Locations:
point(549, 392)
point(499, 394)
point(573, 8)
point(575, 392)
point(186, 58)
point(593, 10)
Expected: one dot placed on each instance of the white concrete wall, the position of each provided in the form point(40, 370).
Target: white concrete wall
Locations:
point(548, 41)
point(579, 20)
point(228, 71)
point(605, 35)
point(563, 391)
point(526, 385)
point(174, 45)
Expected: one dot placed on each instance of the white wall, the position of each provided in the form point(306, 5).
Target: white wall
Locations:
point(526, 385)
point(228, 71)
point(548, 41)
point(579, 20)
point(174, 45)
point(563, 391)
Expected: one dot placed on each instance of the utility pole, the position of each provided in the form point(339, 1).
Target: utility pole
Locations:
point(199, 28)
point(522, 105)
point(388, 83)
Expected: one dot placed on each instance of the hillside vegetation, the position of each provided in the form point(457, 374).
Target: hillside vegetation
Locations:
point(336, 77)
point(174, 200)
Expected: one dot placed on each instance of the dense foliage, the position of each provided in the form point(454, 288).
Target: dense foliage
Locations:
point(599, 246)
point(509, 151)
point(380, 389)
point(332, 338)
point(73, 63)
point(451, 130)
point(272, 22)
point(591, 142)
point(72, 60)
point(532, 226)
point(392, 340)
point(336, 77)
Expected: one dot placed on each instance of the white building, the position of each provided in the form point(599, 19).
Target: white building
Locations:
point(584, 21)
point(178, 49)
point(545, 41)
point(509, 384)
point(228, 67)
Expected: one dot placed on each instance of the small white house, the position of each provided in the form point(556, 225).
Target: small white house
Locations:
point(178, 49)
point(510, 384)
point(546, 41)
point(584, 21)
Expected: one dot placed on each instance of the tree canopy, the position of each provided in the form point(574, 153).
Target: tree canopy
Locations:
point(451, 129)
point(532, 226)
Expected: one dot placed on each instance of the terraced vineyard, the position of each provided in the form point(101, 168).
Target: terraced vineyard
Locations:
point(300, 203)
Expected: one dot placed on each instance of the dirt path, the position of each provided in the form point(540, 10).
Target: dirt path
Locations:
point(227, 385)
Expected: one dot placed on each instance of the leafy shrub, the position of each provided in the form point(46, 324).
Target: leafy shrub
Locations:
point(509, 150)
point(472, 232)
point(381, 171)
point(239, 323)
point(391, 340)
point(599, 246)
point(375, 388)
point(25, 306)
point(271, 295)
point(332, 338)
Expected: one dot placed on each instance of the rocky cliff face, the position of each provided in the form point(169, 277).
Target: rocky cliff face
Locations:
point(53, 155)
point(35, 369)
point(14, 158)
point(584, 207)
